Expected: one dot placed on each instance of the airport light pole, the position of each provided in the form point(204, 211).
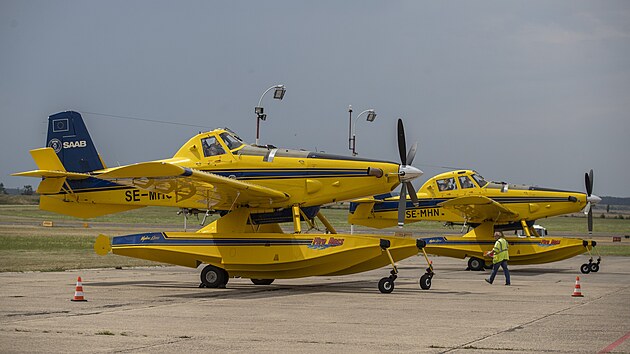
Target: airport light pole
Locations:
point(352, 138)
point(278, 94)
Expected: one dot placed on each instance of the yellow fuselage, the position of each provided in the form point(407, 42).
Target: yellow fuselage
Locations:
point(526, 203)
point(307, 178)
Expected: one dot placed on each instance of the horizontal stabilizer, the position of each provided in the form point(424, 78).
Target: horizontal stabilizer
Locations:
point(49, 167)
point(51, 174)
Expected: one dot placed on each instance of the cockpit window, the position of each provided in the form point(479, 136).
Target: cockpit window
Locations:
point(446, 184)
point(465, 182)
point(211, 147)
point(231, 141)
point(480, 181)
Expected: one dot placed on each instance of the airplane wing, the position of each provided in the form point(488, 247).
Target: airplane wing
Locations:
point(215, 191)
point(479, 209)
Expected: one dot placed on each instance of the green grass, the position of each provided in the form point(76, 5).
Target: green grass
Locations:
point(25, 245)
point(616, 250)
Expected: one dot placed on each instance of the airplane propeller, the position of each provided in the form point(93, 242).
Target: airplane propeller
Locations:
point(406, 173)
point(590, 199)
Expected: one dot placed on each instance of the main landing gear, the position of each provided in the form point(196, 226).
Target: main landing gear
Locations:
point(214, 277)
point(386, 285)
point(590, 266)
point(477, 264)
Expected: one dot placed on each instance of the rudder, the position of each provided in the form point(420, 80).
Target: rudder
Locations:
point(69, 137)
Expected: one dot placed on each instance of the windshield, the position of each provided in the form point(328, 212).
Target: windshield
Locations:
point(231, 141)
point(211, 147)
point(480, 181)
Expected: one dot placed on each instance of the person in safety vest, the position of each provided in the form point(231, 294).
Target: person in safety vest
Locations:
point(500, 258)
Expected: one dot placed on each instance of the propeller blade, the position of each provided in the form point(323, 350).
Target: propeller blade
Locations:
point(587, 208)
point(588, 181)
point(412, 153)
point(412, 193)
point(402, 205)
point(590, 221)
point(402, 145)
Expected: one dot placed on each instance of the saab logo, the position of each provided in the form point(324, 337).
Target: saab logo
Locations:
point(74, 144)
point(322, 243)
point(55, 144)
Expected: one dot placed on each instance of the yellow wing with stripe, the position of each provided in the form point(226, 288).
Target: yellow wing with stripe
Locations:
point(215, 191)
point(478, 209)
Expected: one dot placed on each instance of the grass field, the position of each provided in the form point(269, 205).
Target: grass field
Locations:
point(25, 245)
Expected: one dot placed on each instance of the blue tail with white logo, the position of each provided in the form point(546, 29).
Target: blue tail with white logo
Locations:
point(69, 137)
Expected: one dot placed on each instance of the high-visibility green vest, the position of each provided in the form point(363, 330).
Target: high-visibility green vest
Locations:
point(500, 251)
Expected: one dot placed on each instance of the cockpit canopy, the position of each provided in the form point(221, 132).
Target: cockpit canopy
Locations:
point(459, 180)
point(216, 145)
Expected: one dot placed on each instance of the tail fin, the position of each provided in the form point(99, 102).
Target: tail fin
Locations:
point(68, 136)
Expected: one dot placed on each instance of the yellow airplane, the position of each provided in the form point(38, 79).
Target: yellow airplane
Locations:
point(464, 196)
point(254, 188)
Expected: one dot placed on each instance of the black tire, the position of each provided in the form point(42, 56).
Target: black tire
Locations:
point(214, 277)
point(425, 282)
point(386, 285)
point(262, 281)
point(585, 268)
point(476, 264)
point(594, 267)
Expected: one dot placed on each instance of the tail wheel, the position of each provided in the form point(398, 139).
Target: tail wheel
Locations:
point(214, 277)
point(425, 282)
point(476, 264)
point(262, 281)
point(585, 268)
point(386, 285)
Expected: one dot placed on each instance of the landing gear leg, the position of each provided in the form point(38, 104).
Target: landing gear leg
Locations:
point(425, 280)
point(386, 285)
point(590, 266)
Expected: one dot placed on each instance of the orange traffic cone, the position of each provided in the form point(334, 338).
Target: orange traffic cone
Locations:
point(577, 292)
point(78, 292)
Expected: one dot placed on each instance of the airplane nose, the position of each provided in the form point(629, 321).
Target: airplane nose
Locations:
point(408, 173)
point(593, 199)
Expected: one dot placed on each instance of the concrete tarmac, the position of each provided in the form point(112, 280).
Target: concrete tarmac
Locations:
point(161, 309)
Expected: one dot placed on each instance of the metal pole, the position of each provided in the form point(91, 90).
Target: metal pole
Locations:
point(350, 128)
point(257, 128)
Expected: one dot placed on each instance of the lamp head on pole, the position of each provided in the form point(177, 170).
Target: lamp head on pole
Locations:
point(371, 115)
point(278, 94)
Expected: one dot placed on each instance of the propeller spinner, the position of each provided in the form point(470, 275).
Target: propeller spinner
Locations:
point(406, 173)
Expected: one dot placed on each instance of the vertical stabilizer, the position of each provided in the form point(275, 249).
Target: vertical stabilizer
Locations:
point(68, 136)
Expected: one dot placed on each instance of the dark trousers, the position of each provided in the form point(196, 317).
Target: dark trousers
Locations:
point(506, 272)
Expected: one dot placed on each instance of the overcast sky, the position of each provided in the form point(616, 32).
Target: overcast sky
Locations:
point(534, 92)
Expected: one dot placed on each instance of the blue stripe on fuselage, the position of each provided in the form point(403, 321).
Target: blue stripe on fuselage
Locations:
point(392, 205)
point(94, 184)
point(159, 238)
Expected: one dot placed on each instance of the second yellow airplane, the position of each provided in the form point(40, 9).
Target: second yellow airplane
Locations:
point(465, 197)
